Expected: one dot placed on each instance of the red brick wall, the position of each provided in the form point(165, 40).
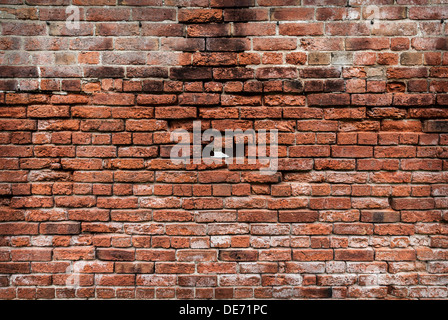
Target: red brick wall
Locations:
point(92, 206)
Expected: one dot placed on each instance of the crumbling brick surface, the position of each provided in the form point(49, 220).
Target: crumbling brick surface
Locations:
point(92, 205)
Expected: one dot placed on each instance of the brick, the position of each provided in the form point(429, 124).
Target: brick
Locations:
point(214, 59)
point(354, 254)
point(435, 126)
point(378, 216)
point(200, 15)
point(238, 255)
point(191, 73)
point(301, 29)
point(328, 99)
point(18, 72)
point(233, 73)
point(174, 268)
point(352, 151)
point(231, 3)
point(354, 44)
point(48, 111)
point(395, 254)
point(263, 44)
point(153, 14)
point(284, 14)
point(413, 99)
point(115, 254)
point(224, 44)
point(60, 228)
point(24, 29)
point(31, 255)
point(406, 73)
point(312, 255)
point(400, 204)
point(253, 29)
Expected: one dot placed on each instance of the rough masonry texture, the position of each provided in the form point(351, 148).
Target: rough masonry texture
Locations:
point(93, 207)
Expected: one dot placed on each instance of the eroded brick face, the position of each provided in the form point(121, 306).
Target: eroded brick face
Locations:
point(93, 207)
